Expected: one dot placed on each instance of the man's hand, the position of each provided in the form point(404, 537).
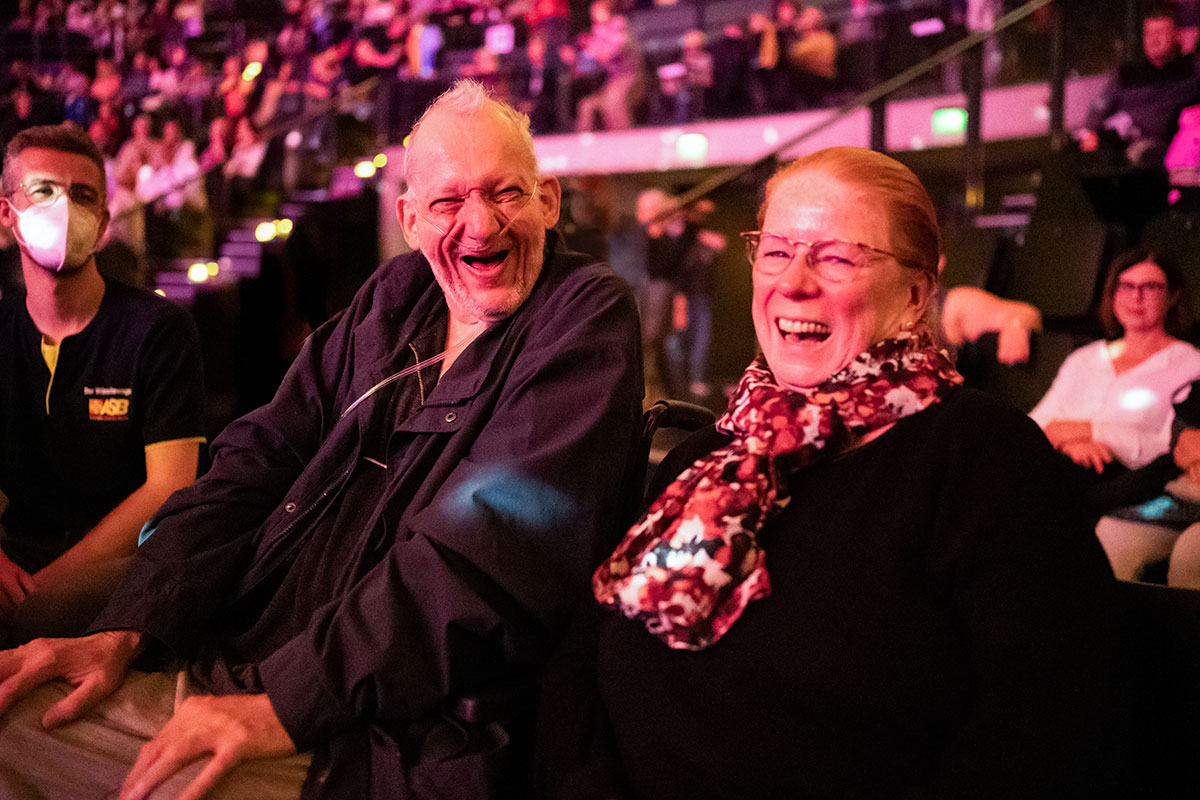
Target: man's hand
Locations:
point(1012, 344)
point(1187, 453)
point(1187, 448)
point(1089, 454)
point(95, 665)
point(15, 585)
point(1060, 432)
point(231, 729)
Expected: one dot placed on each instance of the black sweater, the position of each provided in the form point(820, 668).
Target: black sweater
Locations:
point(938, 626)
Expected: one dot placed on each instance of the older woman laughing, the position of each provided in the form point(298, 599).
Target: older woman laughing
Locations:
point(863, 581)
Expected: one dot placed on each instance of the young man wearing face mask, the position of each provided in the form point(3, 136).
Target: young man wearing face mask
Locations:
point(100, 394)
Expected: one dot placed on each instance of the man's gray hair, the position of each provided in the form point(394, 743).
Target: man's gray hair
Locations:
point(467, 97)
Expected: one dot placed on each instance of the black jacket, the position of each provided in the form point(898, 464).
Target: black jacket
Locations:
point(515, 465)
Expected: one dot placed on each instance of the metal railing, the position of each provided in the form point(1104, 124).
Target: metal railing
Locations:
point(874, 98)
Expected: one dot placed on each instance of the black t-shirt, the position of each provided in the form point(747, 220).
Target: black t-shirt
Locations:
point(131, 378)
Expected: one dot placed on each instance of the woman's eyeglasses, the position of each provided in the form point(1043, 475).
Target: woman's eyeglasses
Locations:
point(832, 260)
point(1146, 289)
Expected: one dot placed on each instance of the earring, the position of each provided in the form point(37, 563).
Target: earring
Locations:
point(908, 326)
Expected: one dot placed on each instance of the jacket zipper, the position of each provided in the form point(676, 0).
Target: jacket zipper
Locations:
point(281, 537)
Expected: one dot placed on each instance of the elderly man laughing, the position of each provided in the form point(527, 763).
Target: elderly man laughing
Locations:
point(407, 523)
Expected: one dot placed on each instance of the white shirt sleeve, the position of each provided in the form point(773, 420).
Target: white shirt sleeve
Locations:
point(1136, 423)
point(1075, 378)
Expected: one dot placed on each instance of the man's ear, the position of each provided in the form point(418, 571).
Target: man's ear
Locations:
point(550, 197)
point(8, 215)
point(406, 213)
point(105, 218)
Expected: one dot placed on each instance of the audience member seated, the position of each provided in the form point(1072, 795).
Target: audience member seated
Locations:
point(232, 89)
point(1166, 527)
point(768, 90)
point(135, 84)
point(379, 45)
point(101, 407)
point(282, 98)
point(166, 79)
point(812, 58)
point(106, 87)
point(74, 87)
point(684, 84)
point(968, 313)
point(18, 115)
point(865, 580)
point(137, 151)
point(171, 179)
point(172, 186)
point(537, 86)
point(620, 57)
point(1109, 408)
point(1140, 104)
point(243, 169)
point(407, 523)
point(731, 72)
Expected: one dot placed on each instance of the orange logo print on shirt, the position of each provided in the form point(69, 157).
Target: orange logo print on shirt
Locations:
point(106, 405)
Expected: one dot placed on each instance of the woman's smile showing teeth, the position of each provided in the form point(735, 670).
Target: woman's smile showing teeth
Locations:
point(797, 330)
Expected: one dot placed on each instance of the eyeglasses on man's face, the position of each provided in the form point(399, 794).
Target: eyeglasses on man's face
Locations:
point(444, 212)
point(43, 192)
point(832, 260)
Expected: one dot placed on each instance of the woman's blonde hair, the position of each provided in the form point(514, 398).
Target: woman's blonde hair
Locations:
point(914, 235)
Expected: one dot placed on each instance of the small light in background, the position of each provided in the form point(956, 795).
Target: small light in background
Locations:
point(198, 272)
point(283, 227)
point(927, 27)
point(252, 71)
point(499, 38)
point(264, 231)
point(364, 169)
point(407, 139)
point(380, 161)
point(294, 139)
point(212, 268)
point(160, 293)
point(692, 146)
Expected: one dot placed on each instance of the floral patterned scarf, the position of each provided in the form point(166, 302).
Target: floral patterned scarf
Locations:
point(688, 568)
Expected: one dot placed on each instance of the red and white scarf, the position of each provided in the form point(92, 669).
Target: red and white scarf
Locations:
point(688, 568)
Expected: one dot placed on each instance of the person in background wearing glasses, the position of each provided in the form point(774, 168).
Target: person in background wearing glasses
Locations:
point(862, 581)
point(358, 595)
point(101, 394)
point(1109, 409)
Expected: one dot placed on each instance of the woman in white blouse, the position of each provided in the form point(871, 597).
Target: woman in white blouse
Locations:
point(1110, 407)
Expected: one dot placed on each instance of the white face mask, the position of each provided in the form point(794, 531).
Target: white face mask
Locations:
point(44, 231)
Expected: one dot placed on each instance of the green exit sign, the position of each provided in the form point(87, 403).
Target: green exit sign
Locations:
point(949, 120)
